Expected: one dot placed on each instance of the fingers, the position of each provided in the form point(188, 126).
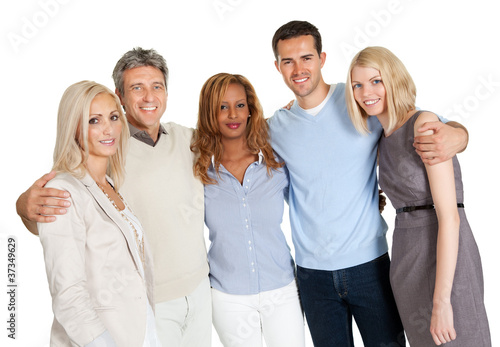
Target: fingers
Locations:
point(432, 161)
point(43, 214)
point(425, 155)
point(436, 339)
point(426, 146)
point(289, 105)
point(432, 157)
point(53, 192)
point(444, 337)
point(382, 201)
point(47, 197)
point(42, 181)
point(436, 125)
point(38, 203)
point(43, 219)
point(453, 334)
point(44, 208)
point(50, 210)
point(443, 334)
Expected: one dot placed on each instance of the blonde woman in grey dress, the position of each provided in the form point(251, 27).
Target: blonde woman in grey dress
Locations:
point(436, 272)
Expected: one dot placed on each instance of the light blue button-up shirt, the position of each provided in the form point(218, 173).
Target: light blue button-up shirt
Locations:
point(248, 252)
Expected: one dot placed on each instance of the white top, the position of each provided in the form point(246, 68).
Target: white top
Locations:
point(150, 338)
point(315, 110)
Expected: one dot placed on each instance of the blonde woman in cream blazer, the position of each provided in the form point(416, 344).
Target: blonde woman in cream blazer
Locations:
point(99, 265)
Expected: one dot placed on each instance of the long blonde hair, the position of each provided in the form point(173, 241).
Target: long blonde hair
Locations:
point(399, 87)
point(207, 141)
point(71, 151)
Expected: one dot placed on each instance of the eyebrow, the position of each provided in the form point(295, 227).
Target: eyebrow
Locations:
point(142, 83)
point(100, 114)
point(240, 100)
point(301, 57)
point(377, 76)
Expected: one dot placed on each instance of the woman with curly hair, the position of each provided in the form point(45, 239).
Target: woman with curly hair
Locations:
point(254, 293)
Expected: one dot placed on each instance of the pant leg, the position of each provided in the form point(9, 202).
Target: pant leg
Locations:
point(372, 303)
point(281, 316)
point(170, 316)
point(197, 330)
point(328, 315)
point(186, 321)
point(236, 319)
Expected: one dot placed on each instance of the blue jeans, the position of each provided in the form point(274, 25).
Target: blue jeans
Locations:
point(331, 298)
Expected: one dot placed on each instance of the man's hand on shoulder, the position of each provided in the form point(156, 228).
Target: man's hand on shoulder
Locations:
point(40, 205)
point(289, 105)
point(444, 143)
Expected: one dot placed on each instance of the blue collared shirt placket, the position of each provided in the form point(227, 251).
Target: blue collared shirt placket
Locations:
point(242, 191)
point(248, 253)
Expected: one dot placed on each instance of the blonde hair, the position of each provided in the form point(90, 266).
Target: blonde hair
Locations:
point(207, 140)
point(399, 87)
point(71, 151)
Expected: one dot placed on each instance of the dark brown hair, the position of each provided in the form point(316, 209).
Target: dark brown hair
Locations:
point(295, 29)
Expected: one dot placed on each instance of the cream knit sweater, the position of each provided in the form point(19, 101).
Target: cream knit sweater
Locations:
point(163, 192)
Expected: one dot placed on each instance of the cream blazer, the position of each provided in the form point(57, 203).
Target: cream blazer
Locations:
point(93, 270)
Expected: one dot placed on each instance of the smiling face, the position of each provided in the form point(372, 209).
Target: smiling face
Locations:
point(105, 127)
point(144, 97)
point(369, 91)
point(300, 65)
point(234, 112)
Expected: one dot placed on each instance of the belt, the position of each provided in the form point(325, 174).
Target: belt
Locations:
point(423, 207)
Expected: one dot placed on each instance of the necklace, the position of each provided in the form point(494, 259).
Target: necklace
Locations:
point(139, 241)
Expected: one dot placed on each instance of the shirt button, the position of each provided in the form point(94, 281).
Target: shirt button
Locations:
point(247, 226)
point(253, 270)
point(246, 187)
point(243, 199)
point(244, 205)
point(250, 248)
point(249, 242)
point(248, 180)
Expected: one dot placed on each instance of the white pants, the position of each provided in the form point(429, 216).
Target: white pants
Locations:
point(276, 315)
point(186, 321)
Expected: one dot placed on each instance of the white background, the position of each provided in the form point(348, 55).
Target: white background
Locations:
point(449, 47)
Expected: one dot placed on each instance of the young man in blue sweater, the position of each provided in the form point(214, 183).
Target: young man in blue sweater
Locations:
point(339, 235)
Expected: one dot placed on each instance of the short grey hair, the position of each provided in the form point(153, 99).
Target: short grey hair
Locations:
point(138, 57)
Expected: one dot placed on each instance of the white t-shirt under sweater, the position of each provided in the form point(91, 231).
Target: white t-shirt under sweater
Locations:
point(162, 191)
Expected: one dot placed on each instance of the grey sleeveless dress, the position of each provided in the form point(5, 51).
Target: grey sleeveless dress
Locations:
point(413, 266)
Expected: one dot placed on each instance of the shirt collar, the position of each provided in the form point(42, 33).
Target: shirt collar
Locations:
point(143, 135)
point(261, 158)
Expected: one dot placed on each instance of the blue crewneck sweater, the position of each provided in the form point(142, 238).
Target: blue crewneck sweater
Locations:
point(333, 196)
